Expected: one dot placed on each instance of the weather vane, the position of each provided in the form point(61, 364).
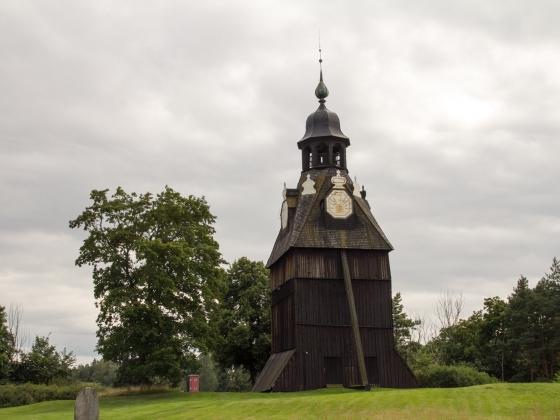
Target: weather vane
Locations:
point(320, 51)
point(321, 91)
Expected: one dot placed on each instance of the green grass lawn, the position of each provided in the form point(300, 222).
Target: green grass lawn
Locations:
point(496, 401)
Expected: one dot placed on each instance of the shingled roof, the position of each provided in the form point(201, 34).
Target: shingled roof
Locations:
point(309, 227)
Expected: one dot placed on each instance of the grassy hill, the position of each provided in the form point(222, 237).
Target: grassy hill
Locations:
point(497, 401)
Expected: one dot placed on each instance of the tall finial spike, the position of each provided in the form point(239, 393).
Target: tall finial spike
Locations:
point(320, 59)
point(321, 91)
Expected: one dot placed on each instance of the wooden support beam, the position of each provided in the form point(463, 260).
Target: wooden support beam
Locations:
point(354, 318)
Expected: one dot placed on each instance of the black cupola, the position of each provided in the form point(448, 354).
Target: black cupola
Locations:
point(323, 144)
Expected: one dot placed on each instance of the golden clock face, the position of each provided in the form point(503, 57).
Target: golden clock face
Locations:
point(284, 214)
point(339, 204)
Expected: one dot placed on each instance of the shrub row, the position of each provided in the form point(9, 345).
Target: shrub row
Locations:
point(12, 395)
point(442, 376)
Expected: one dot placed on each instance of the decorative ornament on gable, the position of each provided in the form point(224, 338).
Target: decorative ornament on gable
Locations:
point(338, 180)
point(308, 186)
point(284, 210)
point(357, 188)
point(339, 203)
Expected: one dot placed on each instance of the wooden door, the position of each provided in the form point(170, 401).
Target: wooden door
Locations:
point(372, 370)
point(333, 370)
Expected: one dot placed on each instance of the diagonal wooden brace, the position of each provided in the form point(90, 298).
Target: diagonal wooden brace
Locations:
point(354, 318)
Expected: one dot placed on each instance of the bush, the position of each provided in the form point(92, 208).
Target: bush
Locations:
point(235, 379)
point(12, 395)
point(442, 376)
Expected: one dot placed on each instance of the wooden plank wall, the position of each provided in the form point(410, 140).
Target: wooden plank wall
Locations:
point(393, 371)
point(317, 342)
point(325, 264)
point(283, 324)
point(310, 313)
point(323, 302)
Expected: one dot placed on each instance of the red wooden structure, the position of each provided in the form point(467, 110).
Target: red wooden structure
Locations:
point(194, 381)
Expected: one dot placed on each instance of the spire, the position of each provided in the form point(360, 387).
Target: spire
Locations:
point(323, 122)
point(321, 91)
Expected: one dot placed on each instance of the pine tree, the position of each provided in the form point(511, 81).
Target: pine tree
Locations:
point(523, 337)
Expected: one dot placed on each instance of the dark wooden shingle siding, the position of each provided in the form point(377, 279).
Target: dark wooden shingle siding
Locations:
point(325, 264)
point(323, 302)
point(283, 324)
point(310, 313)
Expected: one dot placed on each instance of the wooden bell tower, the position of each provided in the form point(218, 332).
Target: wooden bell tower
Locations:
point(330, 276)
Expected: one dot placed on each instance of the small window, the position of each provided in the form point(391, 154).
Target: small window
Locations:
point(323, 154)
point(307, 158)
point(338, 156)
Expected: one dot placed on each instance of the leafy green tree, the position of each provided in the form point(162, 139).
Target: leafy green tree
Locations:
point(459, 343)
point(6, 347)
point(553, 278)
point(156, 276)
point(244, 321)
point(403, 329)
point(533, 322)
point(546, 322)
point(99, 371)
point(493, 339)
point(479, 341)
point(44, 364)
point(543, 333)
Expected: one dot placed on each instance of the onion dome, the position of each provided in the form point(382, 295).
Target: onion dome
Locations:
point(321, 91)
point(323, 122)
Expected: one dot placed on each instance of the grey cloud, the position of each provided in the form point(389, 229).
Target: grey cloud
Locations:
point(451, 109)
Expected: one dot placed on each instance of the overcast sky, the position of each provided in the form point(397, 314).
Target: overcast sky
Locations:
point(452, 109)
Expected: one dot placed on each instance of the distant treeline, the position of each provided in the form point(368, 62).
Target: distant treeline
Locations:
point(516, 339)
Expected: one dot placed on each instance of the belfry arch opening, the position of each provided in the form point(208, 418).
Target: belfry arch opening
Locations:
point(307, 158)
point(338, 156)
point(323, 155)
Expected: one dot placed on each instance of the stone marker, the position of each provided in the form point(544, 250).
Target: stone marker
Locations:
point(87, 405)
